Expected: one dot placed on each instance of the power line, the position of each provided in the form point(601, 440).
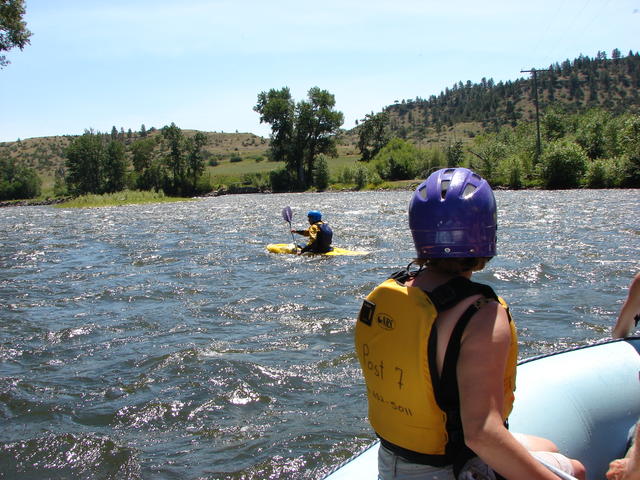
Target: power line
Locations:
point(534, 73)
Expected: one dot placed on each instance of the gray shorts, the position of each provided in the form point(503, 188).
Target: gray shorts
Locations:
point(394, 467)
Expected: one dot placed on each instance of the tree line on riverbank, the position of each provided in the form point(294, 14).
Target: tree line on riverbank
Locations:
point(171, 162)
point(591, 150)
point(587, 136)
point(98, 163)
point(594, 149)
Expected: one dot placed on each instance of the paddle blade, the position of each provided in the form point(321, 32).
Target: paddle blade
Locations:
point(287, 214)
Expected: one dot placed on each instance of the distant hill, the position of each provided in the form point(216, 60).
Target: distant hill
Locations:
point(458, 113)
point(466, 109)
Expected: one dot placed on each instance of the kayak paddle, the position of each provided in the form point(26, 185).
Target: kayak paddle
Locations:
point(287, 214)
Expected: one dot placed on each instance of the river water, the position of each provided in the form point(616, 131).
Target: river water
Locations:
point(164, 342)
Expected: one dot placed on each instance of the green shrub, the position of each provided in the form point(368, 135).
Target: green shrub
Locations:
point(17, 182)
point(590, 134)
point(562, 165)
point(361, 177)
point(629, 171)
point(321, 173)
point(398, 160)
point(374, 178)
point(260, 180)
point(596, 176)
point(281, 180)
point(346, 175)
point(631, 159)
point(509, 173)
point(553, 125)
point(204, 185)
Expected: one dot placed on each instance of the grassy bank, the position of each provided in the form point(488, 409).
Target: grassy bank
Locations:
point(126, 197)
point(229, 172)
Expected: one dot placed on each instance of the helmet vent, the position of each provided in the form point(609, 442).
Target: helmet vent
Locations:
point(444, 186)
point(468, 190)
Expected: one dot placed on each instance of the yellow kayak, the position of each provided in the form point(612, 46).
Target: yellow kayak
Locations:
point(291, 249)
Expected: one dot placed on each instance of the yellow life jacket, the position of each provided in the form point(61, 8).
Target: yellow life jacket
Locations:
point(412, 408)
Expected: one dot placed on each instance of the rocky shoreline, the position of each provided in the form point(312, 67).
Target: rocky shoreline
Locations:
point(231, 190)
point(53, 201)
point(33, 203)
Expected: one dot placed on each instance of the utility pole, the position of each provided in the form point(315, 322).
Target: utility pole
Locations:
point(534, 73)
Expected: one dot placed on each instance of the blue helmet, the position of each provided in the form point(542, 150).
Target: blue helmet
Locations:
point(314, 216)
point(453, 214)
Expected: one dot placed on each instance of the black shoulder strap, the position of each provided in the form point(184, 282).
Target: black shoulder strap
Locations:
point(457, 289)
point(445, 297)
point(448, 380)
point(401, 275)
point(445, 386)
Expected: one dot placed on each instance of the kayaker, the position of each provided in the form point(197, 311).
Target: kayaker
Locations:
point(438, 351)
point(630, 312)
point(319, 233)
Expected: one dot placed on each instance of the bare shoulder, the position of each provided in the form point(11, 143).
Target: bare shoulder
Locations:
point(490, 323)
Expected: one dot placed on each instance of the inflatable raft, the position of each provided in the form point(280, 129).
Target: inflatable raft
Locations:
point(585, 399)
point(291, 249)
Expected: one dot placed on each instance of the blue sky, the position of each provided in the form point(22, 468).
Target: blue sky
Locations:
point(201, 64)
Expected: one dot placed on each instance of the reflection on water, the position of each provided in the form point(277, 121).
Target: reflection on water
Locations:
point(163, 341)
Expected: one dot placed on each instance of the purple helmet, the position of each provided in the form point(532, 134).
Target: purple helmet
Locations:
point(453, 214)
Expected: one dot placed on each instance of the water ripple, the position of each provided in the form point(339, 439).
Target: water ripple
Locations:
point(164, 342)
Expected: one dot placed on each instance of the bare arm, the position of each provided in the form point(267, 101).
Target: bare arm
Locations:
point(633, 467)
point(627, 468)
point(631, 307)
point(481, 368)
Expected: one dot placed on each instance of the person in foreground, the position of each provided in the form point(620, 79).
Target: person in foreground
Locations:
point(319, 233)
point(627, 468)
point(438, 351)
point(630, 312)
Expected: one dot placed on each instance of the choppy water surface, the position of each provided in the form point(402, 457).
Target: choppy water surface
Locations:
point(163, 342)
